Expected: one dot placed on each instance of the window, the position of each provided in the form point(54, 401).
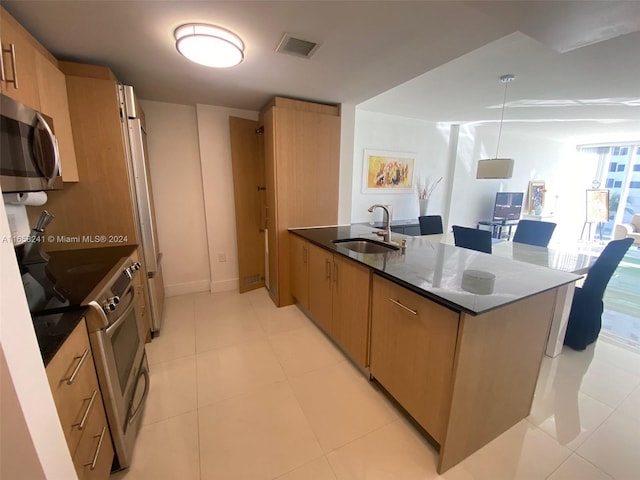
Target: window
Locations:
point(620, 151)
point(617, 168)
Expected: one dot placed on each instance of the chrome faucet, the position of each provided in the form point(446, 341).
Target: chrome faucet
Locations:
point(386, 236)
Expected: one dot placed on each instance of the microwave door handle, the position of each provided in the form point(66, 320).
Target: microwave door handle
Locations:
point(54, 148)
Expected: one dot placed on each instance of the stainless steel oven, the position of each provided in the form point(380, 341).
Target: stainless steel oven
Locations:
point(119, 355)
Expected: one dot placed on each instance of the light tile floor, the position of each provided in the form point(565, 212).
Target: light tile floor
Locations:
point(242, 390)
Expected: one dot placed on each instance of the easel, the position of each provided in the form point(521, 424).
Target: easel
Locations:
point(599, 227)
point(597, 211)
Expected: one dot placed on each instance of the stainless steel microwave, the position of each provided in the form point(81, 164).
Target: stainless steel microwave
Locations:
point(29, 155)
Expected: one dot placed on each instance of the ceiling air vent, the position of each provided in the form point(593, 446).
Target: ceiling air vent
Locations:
point(296, 46)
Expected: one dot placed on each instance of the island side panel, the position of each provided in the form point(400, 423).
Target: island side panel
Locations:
point(497, 363)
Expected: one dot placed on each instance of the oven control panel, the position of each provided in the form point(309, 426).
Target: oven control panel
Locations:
point(120, 287)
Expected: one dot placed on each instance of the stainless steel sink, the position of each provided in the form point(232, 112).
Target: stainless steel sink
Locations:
point(364, 245)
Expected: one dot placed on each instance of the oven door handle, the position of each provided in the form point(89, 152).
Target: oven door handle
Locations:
point(138, 409)
point(111, 329)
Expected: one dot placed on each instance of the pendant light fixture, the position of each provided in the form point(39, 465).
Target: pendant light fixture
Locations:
point(498, 167)
point(209, 45)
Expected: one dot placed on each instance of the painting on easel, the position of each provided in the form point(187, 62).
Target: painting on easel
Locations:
point(597, 206)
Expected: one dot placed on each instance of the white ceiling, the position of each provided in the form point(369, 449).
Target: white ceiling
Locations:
point(367, 49)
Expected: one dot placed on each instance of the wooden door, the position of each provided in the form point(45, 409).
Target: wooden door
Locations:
point(412, 352)
point(321, 286)
point(351, 298)
point(248, 188)
point(299, 249)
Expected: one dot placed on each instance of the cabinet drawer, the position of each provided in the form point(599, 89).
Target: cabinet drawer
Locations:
point(413, 344)
point(73, 383)
point(94, 454)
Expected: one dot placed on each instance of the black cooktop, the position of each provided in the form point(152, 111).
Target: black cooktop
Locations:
point(69, 276)
point(56, 290)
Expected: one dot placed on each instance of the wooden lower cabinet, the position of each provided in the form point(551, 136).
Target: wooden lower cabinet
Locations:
point(321, 286)
point(74, 385)
point(299, 253)
point(339, 300)
point(413, 343)
point(351, 303)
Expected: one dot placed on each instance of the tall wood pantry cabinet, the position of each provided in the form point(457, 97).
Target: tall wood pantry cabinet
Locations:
point(302, 163)
point(103, 202)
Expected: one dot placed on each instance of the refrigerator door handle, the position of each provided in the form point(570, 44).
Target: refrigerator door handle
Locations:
point(158, 263)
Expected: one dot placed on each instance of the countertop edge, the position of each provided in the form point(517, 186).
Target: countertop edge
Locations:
point(399, 281)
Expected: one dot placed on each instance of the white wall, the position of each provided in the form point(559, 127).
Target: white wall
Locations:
point(174, 158)
point(347, 131)
point(535, 159)
point(45, 446)
point(427, 140)
point(566, 176)
point(217, 180)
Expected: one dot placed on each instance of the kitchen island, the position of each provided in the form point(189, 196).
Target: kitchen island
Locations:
point(463, 365)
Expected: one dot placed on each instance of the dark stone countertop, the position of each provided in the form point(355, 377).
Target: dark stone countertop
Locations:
point(74, 273)
point(435, 270)
point(53, 329)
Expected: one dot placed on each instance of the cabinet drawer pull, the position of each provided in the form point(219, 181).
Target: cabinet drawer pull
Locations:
point(85, 415)
point(92, 464)
point(414, 312)
point(12, 51)
point(2, 75)
point(327, 270)
point(335, 273)
point(82, 358)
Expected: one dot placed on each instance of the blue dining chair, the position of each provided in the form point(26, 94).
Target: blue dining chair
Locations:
point(430, 224)
point(472, 238)
point(533, 232)
point(585, 317)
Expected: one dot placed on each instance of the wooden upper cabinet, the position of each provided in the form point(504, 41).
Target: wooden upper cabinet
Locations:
point(52, 87)
point(101, 203)
point(41, 86)
point(19, 65)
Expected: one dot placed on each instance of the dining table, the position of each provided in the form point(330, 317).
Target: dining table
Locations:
point(575, 258)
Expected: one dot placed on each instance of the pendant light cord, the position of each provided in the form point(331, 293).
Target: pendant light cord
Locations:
point(506, 79)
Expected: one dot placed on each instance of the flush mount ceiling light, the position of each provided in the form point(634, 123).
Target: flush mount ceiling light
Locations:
point(498, 167)
point(209, 45)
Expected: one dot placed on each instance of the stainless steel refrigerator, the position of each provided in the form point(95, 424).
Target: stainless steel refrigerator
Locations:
point(135, 137)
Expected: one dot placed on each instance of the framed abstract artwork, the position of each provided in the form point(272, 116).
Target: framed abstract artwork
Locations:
point(388, 172)
point(536, 197)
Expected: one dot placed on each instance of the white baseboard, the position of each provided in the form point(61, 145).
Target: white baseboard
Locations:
point(186, 288)
point(225, 285)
